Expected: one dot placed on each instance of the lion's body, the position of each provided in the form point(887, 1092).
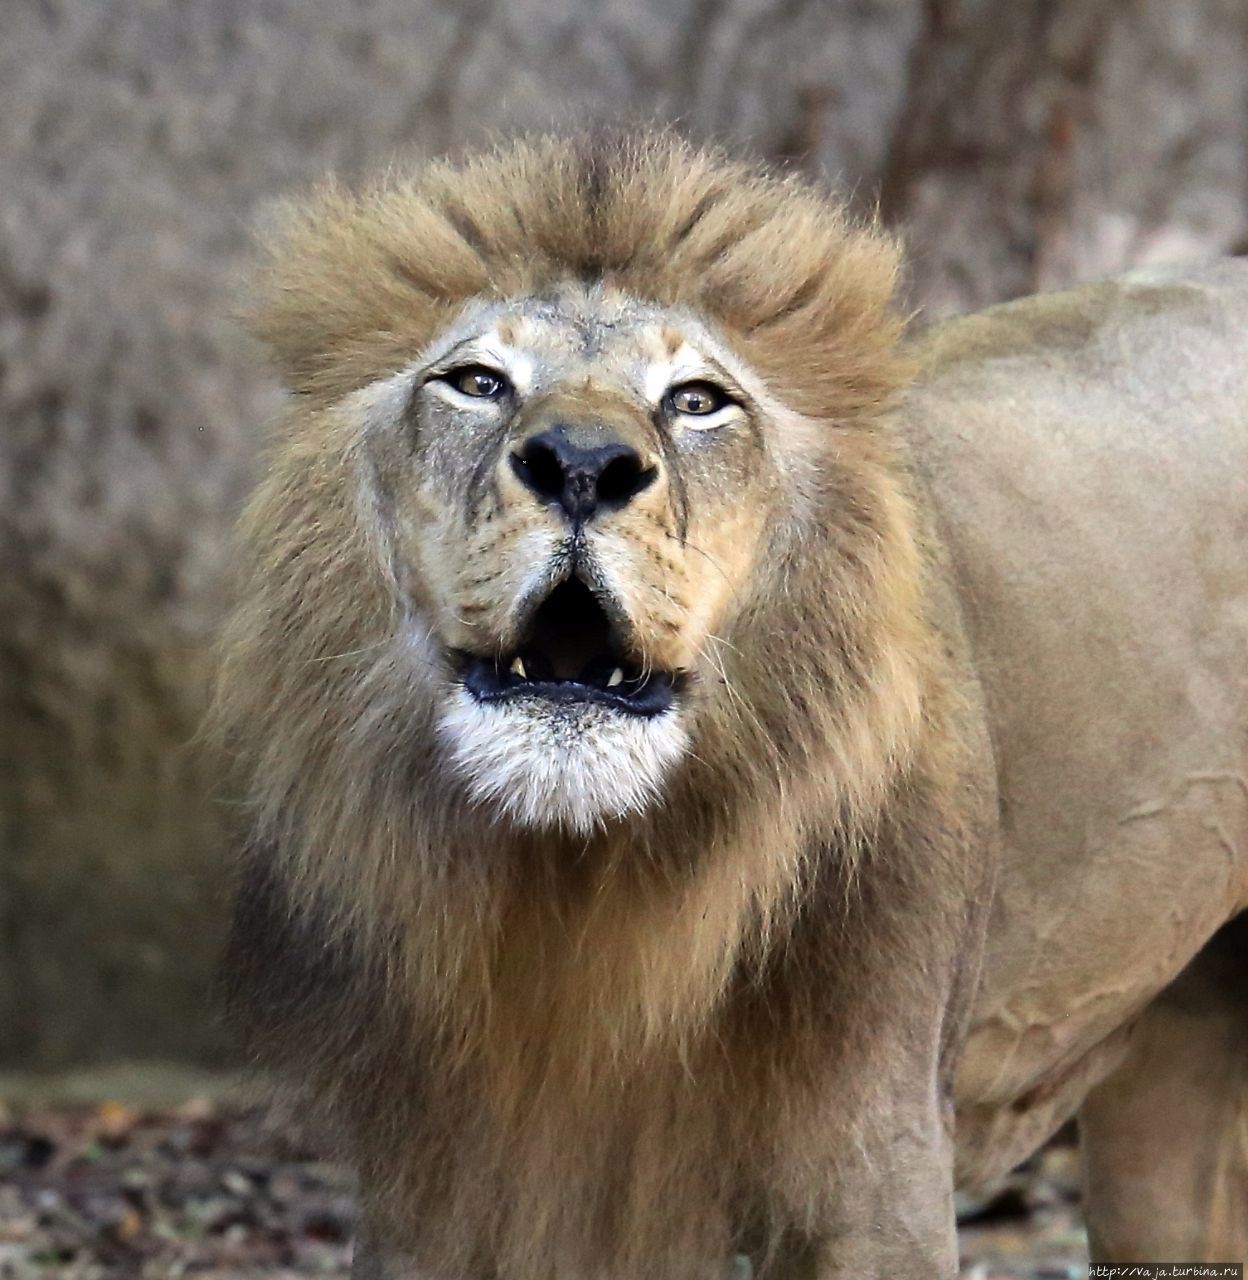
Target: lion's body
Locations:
point(1087, 454)
point(602, 986)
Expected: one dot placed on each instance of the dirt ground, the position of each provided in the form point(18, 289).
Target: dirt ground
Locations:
point(213, 1190)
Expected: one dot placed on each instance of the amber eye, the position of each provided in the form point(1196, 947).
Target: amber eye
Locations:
point(476, 380)
point(698, 399)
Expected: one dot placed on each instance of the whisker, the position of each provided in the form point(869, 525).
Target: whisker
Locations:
point(720, 640)
point(693, 546)
point(717, 662)
point(348, 653)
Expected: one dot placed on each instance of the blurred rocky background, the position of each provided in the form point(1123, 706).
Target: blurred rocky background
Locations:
point(1022, 144)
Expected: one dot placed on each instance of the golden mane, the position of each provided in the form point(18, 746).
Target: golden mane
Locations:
point(393, 942)
point(357, 283)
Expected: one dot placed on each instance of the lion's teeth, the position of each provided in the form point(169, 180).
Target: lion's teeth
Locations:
point(517, 668)
point(617, 677)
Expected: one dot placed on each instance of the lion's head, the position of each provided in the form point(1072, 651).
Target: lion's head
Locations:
point(569, 421)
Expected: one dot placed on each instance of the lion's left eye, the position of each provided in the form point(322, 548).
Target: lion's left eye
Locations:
point(698, 399)
point(477, 381)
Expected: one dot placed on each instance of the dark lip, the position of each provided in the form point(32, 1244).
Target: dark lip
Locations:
point(489, 680)
point(573, 645)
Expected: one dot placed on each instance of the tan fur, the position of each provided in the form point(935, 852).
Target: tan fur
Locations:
point(358, 283)
point(537, 1045)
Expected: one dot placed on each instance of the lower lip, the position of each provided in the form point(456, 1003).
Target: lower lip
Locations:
point(486, 683)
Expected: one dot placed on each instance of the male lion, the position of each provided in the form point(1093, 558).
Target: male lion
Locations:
point(721, 776)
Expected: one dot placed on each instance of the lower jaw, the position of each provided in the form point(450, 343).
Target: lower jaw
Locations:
point(571, 765)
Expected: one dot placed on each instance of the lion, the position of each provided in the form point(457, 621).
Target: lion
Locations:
point(721, 773)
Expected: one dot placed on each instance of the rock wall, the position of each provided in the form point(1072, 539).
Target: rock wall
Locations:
point(1023, 145)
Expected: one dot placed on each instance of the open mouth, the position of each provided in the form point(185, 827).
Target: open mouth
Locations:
point(570, 653)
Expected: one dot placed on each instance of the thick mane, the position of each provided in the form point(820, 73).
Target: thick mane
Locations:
point(422, 964)
point(357, 283)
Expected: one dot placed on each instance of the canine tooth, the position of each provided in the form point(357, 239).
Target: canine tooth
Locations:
point(517, 668)
point(617, 677)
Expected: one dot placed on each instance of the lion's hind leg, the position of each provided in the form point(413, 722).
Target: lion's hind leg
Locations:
point(1165, 1138)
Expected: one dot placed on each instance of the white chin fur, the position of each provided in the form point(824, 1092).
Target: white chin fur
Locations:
point(574, 766)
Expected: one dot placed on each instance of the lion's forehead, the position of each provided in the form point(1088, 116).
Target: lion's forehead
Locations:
point(593, 333)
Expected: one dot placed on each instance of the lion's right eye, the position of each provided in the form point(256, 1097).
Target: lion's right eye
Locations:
point(477, 381)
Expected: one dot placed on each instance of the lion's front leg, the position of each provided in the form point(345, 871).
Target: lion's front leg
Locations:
point(892, 1245)
point(890, 1217)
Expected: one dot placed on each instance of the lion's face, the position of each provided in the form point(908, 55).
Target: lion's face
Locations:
point(579, 485)
point(584, 507)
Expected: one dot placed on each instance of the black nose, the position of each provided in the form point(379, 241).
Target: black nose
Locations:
point(581, 480)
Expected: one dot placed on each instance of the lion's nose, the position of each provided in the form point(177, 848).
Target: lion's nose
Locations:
point(581, 479)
